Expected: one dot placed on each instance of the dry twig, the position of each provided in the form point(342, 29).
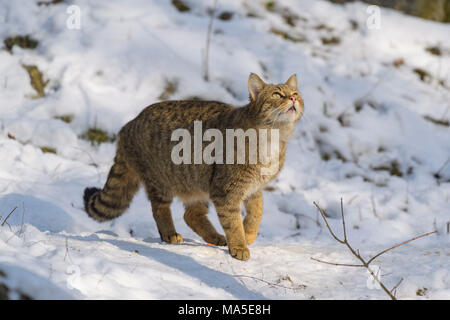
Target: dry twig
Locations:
point(208, 41)
point(437, 175)
point(364, 263)
point(394, 289)
point(67, 255)
point(23, 218)
point(299, 287)
point(7, 217)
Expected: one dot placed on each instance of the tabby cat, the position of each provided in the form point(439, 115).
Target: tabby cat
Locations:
point(144, 156)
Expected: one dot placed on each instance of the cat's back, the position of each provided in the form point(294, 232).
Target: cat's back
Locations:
point(146, 143)
point(180, 114)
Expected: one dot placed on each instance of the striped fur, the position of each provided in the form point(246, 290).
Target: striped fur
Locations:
point(144, 157)
point(116, 195)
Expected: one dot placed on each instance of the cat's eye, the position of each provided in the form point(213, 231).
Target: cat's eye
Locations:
point(277, 95)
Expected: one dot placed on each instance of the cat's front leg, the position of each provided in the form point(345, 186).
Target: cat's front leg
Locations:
point(254, 208)
point(229, 211)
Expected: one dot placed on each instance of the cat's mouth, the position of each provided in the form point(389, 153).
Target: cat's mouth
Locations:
point(292, 109)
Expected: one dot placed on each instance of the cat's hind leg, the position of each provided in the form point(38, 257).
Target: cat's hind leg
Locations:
point(195, 217)
point(163, 215)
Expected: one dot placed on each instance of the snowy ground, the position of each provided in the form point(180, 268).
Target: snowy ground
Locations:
point(374, 133)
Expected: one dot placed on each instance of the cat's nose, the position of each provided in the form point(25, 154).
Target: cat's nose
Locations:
point(292, 98)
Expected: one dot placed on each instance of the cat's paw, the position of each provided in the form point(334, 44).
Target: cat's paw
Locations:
point(217, 240)
point(174, 238)
point(240, 253)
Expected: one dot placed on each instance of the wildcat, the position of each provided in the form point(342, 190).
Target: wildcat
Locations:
point(143, 156)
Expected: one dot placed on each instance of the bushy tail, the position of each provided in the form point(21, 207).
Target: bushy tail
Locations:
point(115, 197)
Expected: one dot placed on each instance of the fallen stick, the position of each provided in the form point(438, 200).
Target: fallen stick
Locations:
point(299, 287)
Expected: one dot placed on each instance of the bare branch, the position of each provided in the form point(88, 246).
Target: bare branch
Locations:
point(343, 222)
point(400, 244)
point(301, 286)
point(67, 255)
point(23, 218)
point(443, 166)
point(393, 291)
point(374, 208)
point(339, 264)
point(7, 217)
point(326, 222)
point(356, 253)
point(208, 41)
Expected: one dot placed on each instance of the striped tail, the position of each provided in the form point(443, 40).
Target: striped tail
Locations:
point(115, 197)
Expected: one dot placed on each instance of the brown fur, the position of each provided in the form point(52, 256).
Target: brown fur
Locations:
point(144, 157)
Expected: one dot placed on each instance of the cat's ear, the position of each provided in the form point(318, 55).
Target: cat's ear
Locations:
point(292, 82)
point(255, 85)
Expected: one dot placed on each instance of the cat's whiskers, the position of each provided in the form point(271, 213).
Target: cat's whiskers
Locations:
point(309, 128)
point(271, 113)
point(276, 118)
point(268, 119)
point(306, 119)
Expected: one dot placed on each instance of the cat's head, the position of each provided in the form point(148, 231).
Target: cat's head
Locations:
point(275, 103)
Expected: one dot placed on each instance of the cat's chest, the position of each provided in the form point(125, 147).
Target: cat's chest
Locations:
point(265, 173)
point(257, 185)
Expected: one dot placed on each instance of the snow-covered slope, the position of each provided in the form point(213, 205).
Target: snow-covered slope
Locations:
point(374, 133)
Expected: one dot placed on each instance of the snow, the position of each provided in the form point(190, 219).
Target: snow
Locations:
point(121, 60)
